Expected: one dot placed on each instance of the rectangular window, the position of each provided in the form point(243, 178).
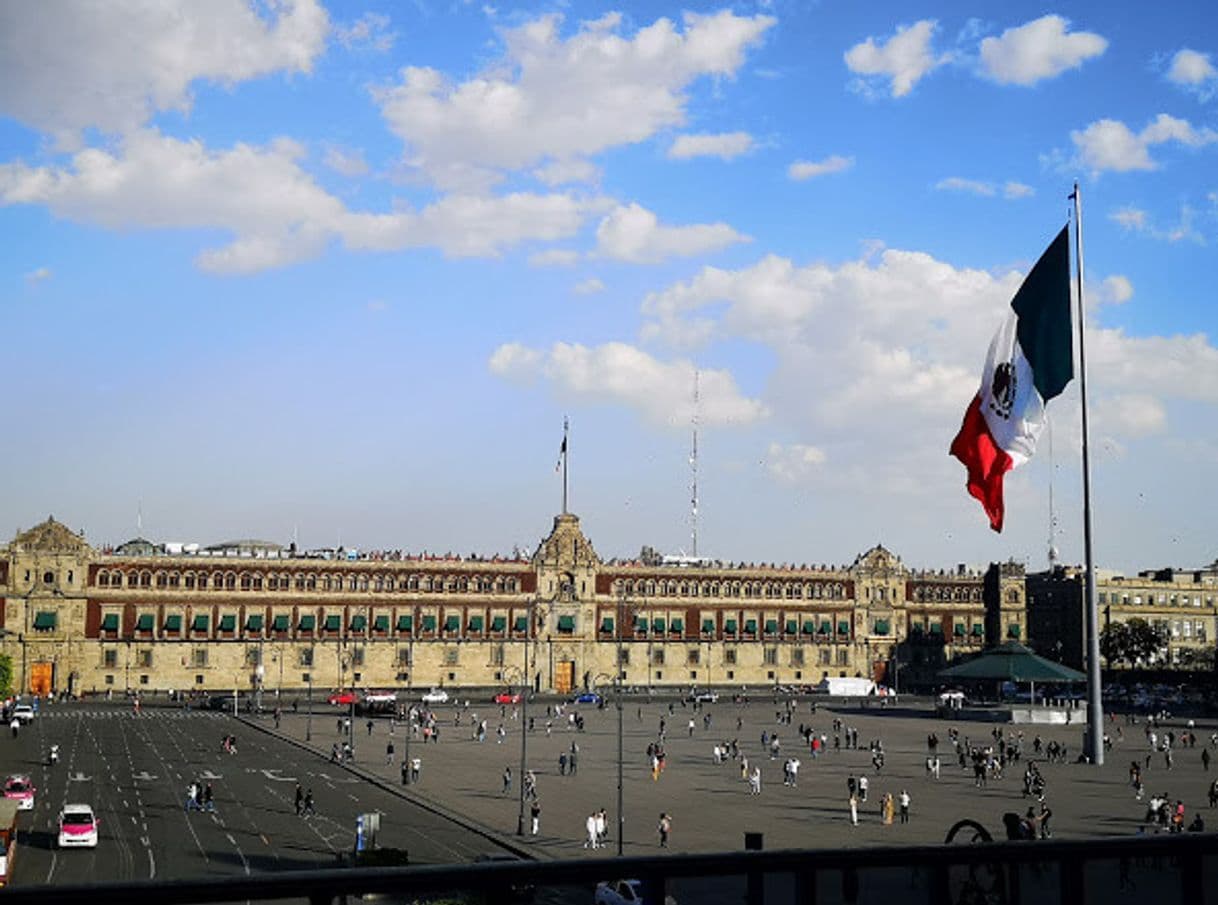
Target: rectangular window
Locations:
point(403, 656)
point(657, 657)
point(843, 658)
point(729, 656)
point(199, 657)
point(304, 657)
point(253, 657)
point(496, 655)
point(110, 658)
point(770, 656)
point(143, 659)
point(144, 679)
point(826, 657)
point(357, 656)
point(693, 657)
point(624, 656)
point(797, 656)
point(452, 655)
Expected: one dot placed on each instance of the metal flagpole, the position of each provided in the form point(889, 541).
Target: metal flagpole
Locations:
point(1094, 745)
point(565, 426)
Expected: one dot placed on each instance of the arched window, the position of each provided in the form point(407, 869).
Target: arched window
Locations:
point(230, 581)
point(247, 581)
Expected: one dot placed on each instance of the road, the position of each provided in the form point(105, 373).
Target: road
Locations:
point(134, 771)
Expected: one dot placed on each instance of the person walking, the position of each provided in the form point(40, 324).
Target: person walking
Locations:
point(191, 791)
point(904, 802)
point(209, 803)
point(664, 828)
point(854, 810)
point(389, 752)
point(507, 780)
point(308, 810)
point(593, 841)
point(535, 815)
point(299, 799)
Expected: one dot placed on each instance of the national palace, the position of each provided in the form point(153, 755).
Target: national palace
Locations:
point(249, 616)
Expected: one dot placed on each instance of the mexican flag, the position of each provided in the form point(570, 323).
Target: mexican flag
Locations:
point(1029, 362)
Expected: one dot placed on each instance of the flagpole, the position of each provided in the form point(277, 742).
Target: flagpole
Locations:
point(1094, 745)
point(565, 427)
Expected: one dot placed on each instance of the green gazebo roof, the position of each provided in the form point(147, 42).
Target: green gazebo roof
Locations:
point(1012, 662)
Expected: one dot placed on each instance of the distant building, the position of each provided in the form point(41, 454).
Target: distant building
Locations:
point(249, 614)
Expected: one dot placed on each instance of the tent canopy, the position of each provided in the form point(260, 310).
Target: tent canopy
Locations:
point(1012, 662)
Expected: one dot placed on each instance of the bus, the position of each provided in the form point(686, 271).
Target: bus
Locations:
point(9, 809)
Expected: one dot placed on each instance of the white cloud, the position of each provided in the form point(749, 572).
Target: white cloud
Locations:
point(275, 211)
point(38, 275)
point(1131, 415)
point(1110, 145)
point(634, 234)
point(809, 169)
point(68, 66)
point(1129, 217)
point(1016, 190)
point(554, 257)
point(622, 374)
point(904, 58)
point(968, 186)
point(565, 172)
point(346, 162)
point(590, 286)
point(561, 98)
point(1115, 290)
point(793, 462)
point(369, 32)
point(724, 145)
point(1134, 219)
point(1193, 71)
point(1037, 50)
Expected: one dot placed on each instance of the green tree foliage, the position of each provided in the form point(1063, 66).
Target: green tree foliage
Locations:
point(6, 675)
point(1136, 642)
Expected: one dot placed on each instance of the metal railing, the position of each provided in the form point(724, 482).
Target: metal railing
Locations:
point(1162, 869)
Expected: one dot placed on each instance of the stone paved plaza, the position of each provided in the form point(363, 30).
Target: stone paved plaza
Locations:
point(711, 806)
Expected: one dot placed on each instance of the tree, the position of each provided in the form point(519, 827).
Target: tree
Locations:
point(1136, 642)
point(6, 675)
point(1114, 643)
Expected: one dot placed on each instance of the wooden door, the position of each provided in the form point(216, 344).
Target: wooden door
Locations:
point(564, 676)
point(40, 678)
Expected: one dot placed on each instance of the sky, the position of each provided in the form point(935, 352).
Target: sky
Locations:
point(339, 272)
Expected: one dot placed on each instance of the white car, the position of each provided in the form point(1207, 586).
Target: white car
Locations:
point(78, 826)
point(436, 696)
point(24, 712)
point(20, 789)
point(703, 697)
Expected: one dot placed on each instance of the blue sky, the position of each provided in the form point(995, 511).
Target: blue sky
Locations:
point(342, 270)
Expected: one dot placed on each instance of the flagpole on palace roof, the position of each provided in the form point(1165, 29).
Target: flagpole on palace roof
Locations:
point(1094, 746)
point(565, 428)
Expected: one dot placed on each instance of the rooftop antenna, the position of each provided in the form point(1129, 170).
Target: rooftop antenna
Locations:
point(139, 518)
point(693, 467)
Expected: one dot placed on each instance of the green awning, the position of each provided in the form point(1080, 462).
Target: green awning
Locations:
point(200, 624)
point(110, 622)
point(429, 623)
point(677, 626)
point(380, 624)
point(708, 625)
point(729, 626)
point(843, 628)
point(792, 626)
point(452, 624)
point(750, 626)
point(405, 623)
point(881, 626)
point(809, 626)
point(333, 623)
point(173, 623)
point(657, 625)
point(280, 623)
point(1012, 631)
point(359, 623)
point(826, 627)
point(771, 626)
point(228, 623)
point(475, 623)
point(978, 631)
point(640, 624)
point(498, 623)
point(521, 624)
point(253, 623)
point(958, 630)
point(308, 623)
point(936, 628)
point(566, 624)
point(44, 621)
point(607, 625)
point(144, 622)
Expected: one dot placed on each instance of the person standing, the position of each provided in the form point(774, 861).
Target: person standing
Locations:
point(904, 802)
point(664, 828)
point(299, 799)
point(308, 810)
point(389, 752)
point(416, 768)
point(208, 799)
point(535, 814)
point(593, 840)
point(507, 780)
point(854, 810)
point(864, 783)
point(191, 791)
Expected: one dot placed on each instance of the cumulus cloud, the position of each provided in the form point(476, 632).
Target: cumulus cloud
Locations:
point(1110, 145)
point(724, 145)
point(1011, 191)
point(1016, 190)
point(1193, 71)
point(1129, 217)
point(564, 172)
point(562, 97)
point(275, 211)
point(1115, 290)
point(904, 59)
point(1038, 50)
point(346, 162)
point(809, 169)
point(66, 66)
point(622, 374)
point(634, 234)
point(590, 286)
point(370, 31)
point(1133, 219)
point(554, 257)
point(793, 462)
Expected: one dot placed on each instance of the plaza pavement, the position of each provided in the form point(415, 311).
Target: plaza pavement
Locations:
point(711, 807)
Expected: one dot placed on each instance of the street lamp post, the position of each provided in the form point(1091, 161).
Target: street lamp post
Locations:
point(525, 687)
point(309, 714)
point(623, 610)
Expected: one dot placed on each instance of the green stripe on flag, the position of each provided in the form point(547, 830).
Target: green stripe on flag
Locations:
point(1044, 328)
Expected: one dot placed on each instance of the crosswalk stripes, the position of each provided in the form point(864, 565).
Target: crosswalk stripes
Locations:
point(126, 714)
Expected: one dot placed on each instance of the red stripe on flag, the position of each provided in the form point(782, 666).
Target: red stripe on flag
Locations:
point(986, 463)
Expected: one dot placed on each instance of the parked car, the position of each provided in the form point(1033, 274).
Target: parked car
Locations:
point(20, 789)
point(25, 713)
point(587, 697)
point(703, 697)
point(343, 698)
point(78, 826)
point(436, 696)
point(507, 697)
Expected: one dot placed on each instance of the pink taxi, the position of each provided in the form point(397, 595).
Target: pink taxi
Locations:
point(20, 789)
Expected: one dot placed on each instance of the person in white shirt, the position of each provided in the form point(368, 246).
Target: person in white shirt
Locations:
point(904, 802)
point(593, 840)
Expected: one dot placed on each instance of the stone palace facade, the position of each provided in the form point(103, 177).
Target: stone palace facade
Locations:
point(79, 620)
